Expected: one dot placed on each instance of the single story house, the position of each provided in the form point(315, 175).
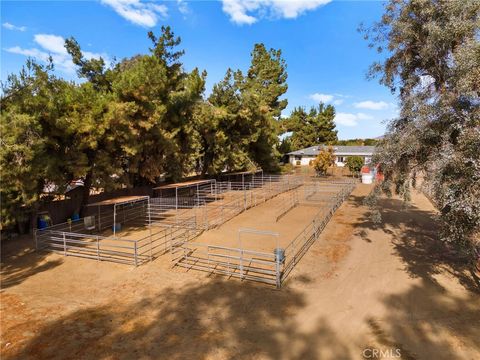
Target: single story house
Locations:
point(305, 156)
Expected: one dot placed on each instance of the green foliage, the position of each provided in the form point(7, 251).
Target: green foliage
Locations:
point(311, 128)
point(286, 168)
point(354, 163)
point(134, 122)
point(324, 160)
point(434, 64)
point(357, 142)
point(285, 146)
point(261, 91)
point(238, 126)
point(33, 146)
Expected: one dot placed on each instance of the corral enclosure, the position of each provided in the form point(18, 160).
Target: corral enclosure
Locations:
point(260, 244)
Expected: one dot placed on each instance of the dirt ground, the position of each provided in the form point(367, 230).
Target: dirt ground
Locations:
point(358, 290)
point(263, 217)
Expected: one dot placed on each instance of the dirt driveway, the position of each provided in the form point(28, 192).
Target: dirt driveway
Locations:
point(359, 290)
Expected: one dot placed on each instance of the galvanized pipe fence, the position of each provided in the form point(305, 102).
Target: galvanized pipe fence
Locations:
point(266, 267)
point(163, 223)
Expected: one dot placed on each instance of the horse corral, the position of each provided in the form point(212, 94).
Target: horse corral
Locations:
point(189, 221)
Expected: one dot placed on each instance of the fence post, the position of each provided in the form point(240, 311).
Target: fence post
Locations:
point(98, 249)
point(241, 263)
point(36, 239)
point(244, 198)
point(205, 214)
point(64, 245)
point(208, 258)
point(277, 271)
point(135, 252)
point(294, 252)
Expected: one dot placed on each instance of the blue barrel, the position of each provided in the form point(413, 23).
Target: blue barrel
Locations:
point(279, 255)
point(42, 223)
point(117, 227)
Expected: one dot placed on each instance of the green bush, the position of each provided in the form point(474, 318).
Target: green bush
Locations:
point(354, 164)
point(286, 168)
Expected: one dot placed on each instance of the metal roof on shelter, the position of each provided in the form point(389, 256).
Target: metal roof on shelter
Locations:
point(241, 173)
point(119, 200)
point(183, 184)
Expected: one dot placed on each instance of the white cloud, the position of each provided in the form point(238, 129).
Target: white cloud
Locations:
point(327, 98)
point(52, 43)
point(35, 53)
point(371, 105)
point(53, 46)
point(250, 11)
point(338, 102)
point(183, 7)
point(362, 116)
point(238, 11)
point(321, 97)
point(9, 26)
point(145, 14)
point(349, 119)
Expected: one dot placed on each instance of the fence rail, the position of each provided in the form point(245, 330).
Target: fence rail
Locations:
point(271, 268)
point(167, 222)
point(233, 262)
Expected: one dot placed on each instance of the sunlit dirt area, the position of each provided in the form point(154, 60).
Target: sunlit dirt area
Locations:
point(359, 288)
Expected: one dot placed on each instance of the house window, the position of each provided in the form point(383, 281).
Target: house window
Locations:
point(340, 159)
point(298, 157)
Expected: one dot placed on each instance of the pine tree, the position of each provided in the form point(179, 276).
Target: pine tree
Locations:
point(312, 128)
point(262, 90)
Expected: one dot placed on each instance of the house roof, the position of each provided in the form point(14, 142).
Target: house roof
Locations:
point(338, 150)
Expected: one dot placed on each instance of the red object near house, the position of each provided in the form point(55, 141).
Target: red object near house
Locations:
point(379, 175)
point(365, 170)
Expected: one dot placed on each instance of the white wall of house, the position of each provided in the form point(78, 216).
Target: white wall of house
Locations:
point(304, 160)
point(339, 160)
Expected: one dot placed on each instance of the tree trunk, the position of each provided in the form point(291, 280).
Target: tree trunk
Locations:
point(207, 161)
point(87, 184)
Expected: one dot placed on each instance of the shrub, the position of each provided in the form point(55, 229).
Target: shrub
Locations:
point(324, 160)
point(354, 164)
point(286, 168)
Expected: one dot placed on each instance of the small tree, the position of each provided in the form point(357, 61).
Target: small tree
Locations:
point(354, 164)
point(324, 160)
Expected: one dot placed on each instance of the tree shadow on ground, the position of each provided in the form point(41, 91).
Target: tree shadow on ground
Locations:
point(219, 319)
point(416, 241)
point(20, 261)
point(428, 322)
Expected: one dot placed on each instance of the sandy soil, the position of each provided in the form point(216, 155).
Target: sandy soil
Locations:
point(263, 217)
point(359, 288)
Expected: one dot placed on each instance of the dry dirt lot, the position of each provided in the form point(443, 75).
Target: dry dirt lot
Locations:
point(263, 217)
point(358, 289)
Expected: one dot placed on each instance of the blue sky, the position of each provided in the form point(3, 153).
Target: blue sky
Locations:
point(327, 58)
